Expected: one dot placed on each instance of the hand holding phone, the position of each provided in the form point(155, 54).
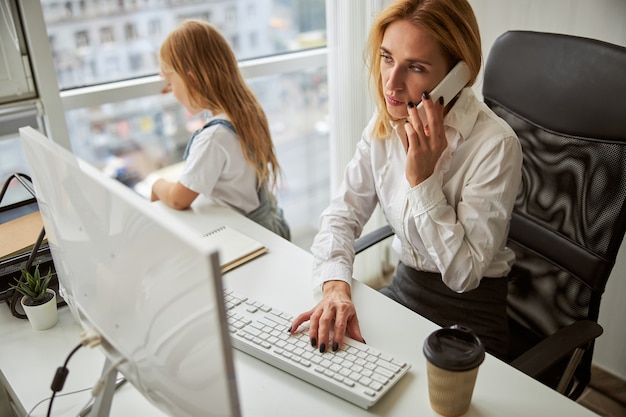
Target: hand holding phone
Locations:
point(448, 88)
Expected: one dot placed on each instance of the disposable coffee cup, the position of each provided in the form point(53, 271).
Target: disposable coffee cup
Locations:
point(453, 355)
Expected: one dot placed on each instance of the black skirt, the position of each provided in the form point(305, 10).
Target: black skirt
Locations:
point(482, 309)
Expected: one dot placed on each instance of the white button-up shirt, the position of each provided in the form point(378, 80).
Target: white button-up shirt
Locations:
point(456, 222)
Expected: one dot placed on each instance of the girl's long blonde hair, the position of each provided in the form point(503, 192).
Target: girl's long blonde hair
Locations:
point(198, 53)
point(451, 23)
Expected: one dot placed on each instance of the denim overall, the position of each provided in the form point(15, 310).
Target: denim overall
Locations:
point(268, 214)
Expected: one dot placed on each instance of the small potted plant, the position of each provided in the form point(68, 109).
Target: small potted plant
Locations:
point(38, 301)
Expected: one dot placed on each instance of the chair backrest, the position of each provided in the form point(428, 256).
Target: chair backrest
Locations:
point(564, 97)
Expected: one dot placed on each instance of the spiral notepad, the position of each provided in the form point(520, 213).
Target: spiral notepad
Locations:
point(235, 248)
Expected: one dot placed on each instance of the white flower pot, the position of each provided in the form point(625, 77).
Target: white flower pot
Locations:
point(43, 316)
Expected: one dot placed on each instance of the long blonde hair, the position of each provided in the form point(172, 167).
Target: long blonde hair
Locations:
point(451, 23)
point(200, 55)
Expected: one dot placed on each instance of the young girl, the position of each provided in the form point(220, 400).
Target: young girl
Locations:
point(231, 159)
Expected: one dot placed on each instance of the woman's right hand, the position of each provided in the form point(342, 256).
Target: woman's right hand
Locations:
point(335, 314)
point(425, 140)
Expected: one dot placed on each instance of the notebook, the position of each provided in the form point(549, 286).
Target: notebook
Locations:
point(235, 247)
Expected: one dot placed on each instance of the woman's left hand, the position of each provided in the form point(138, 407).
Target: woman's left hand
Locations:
point(425, 141)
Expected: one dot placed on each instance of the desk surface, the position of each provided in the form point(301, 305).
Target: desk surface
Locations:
point(280, 278)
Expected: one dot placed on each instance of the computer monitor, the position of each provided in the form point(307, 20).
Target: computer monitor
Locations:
point(143, 280)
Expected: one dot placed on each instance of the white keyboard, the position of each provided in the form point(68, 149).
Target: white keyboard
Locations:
point(357, 372)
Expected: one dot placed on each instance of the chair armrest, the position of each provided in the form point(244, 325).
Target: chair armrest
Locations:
point(554, 348)
point(372, 238)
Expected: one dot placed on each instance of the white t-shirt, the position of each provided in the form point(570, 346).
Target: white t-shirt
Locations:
point(216, 168)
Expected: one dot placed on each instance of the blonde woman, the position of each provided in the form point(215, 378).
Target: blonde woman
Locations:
point(446, 184)
point(231, 159)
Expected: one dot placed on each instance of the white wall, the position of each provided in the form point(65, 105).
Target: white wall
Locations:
point(600, 19)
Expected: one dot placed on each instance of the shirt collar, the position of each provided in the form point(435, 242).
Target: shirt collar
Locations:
point(462, 116)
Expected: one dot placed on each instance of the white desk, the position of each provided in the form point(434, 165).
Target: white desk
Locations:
point(281, 278)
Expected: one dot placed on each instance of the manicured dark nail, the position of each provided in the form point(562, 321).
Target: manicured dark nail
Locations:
point(441, 100)
point(335, 347)
point(323, 348)
point(426, 95)
point(289, 330)
point(411, 105)
point(313, 342)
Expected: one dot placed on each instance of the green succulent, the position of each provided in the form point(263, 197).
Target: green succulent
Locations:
point(33, 285)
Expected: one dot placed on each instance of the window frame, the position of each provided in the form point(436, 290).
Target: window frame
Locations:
point(96, 95)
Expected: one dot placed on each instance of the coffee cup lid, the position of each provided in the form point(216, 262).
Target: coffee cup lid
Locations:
point(455, 348)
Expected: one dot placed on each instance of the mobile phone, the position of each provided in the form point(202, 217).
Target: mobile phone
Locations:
point(448, 88)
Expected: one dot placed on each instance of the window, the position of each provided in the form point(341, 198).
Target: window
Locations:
point(17, 101)
point(135, 61)
point(104, 57)
point(253, 40)
point(131, 32)
point(69, 9)
point(126, 132)
point(142, 25)
point(16, 82)
point(155, 28)
point(106, 35)
point(12, 160)
point(234, 41)
point(231, 16)
point(251, 11)
point(82, 39)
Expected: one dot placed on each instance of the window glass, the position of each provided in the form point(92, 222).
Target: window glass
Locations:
point(101, 41)
point(128, 140)
point(12, 160)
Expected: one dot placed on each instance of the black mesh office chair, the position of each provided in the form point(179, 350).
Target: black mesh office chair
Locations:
point(563, 96)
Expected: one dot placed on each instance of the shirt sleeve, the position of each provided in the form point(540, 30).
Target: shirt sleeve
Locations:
point(205, 162)
point(463, 240)
point(343, 220)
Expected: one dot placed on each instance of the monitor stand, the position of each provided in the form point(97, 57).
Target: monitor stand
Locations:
point(102, 402)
